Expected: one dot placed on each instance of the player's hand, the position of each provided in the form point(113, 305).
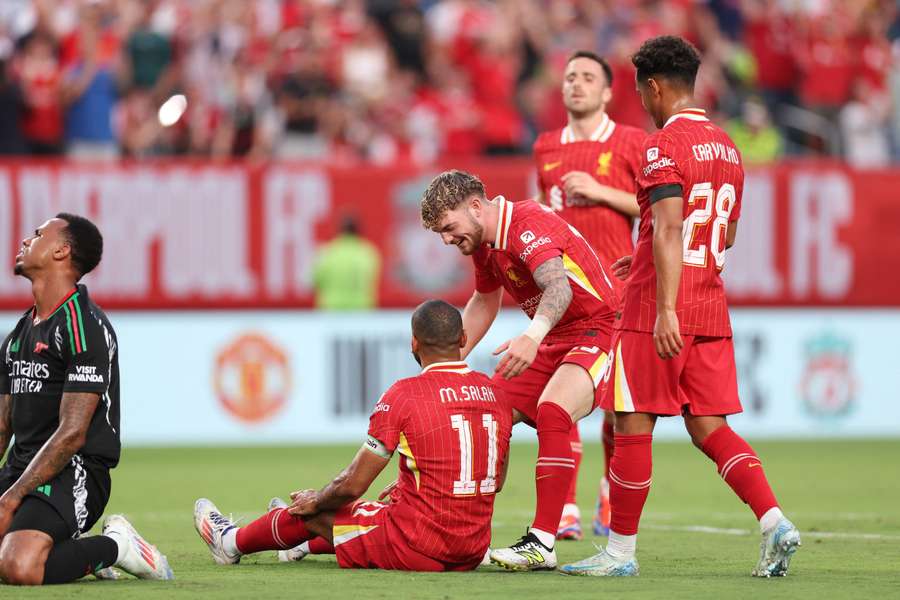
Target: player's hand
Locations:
point(386, 494)
point(305, 503)
point(7, 510)
point(579, 185)
point(520, 353)
point(622, 267)
point(666, 336)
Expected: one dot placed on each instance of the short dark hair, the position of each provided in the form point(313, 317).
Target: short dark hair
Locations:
point(607, 70)
point(437, 324)
point(85, 240)
point(349, 225)
point(668, 56)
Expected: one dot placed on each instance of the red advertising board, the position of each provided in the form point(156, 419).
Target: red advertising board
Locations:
point(213, 235)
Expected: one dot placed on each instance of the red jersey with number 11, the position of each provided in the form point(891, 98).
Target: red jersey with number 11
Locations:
point(451, 428)
point(691, 157)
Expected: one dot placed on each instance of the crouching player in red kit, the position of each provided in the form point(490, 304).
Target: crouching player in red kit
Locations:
point(551, 372)
point(672, 350)
point(451, 428)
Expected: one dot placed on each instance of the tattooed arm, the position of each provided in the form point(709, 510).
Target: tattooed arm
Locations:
point(5, 422)
point(551, 278)
point(557, 295)
point(75, 413)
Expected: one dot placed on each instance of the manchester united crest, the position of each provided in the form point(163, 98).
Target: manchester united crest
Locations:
point(252, 378)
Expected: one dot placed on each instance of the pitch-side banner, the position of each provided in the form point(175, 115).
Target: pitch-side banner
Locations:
point(260, 377)
point(202, 235)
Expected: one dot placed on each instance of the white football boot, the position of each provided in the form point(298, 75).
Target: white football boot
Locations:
point(602, 565)
point(528, 554)
point(137, 556)
point(776, 549)
point(212, 525)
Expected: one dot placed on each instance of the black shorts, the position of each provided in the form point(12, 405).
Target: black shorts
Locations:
point(77, 495)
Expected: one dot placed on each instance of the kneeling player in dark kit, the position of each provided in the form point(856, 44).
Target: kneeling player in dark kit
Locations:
point(59, 397)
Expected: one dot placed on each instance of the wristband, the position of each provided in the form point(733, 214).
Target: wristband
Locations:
point(539, 328)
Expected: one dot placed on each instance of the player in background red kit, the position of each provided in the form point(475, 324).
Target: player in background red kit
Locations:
point(672, 349)
point(451, 428)
point(586, 173)
point(550, 373)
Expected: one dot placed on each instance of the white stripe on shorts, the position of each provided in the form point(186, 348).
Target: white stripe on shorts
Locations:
point(79, 493)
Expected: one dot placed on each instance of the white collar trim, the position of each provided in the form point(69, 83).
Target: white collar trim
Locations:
point(448, 367)
point(504, 220)
point(692, 114)
point(601, 134)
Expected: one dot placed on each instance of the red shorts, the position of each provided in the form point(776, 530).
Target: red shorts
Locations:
point(524, 390)
point(701, 380)
point(364, 538)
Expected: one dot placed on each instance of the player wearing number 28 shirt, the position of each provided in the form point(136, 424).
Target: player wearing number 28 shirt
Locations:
point(672, 352)
point(689, 156)
point(451, 428)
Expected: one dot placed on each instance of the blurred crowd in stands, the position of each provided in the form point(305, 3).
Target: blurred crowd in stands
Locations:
point(405, 80)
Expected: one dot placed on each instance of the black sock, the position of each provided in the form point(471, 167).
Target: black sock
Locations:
point(73, 559)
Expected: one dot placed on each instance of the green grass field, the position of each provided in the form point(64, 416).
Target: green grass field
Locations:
point(696, 540)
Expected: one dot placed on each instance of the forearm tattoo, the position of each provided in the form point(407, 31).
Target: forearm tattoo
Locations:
point(75, 413)
point(551, 278)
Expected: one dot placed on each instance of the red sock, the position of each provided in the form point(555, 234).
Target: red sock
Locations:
point(275, 530)
point(555, 465)
point(609, 444)
point(575, 444)
point(320, 545)
point(740, 468)
point(629, 481)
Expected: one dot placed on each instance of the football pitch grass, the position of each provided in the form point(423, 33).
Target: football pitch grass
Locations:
point(697, 540)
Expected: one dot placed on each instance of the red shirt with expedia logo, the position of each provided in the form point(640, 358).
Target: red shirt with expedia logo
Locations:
point(528, 235)
point(693, 158)
point(612, 156)
point(451, 428)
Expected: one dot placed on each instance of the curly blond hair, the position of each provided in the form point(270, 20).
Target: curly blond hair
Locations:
point(446, 192)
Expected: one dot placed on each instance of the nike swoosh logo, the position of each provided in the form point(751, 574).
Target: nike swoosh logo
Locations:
point(542, 477)
point(751, 465)
point(552, 165)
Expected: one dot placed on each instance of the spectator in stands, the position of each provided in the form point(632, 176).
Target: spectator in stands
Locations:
point(864, 127)
point(148, 56)
point(754, 135)
point(11, 139)
point(770, 37)
point(40, 76)
point(93, 67)
point(346, 272)
point(302, 96)
point(827, 65)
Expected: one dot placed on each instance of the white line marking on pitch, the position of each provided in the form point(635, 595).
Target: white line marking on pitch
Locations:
point(729, 531)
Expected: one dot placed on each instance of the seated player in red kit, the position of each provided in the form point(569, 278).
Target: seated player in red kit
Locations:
point(451, 428)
